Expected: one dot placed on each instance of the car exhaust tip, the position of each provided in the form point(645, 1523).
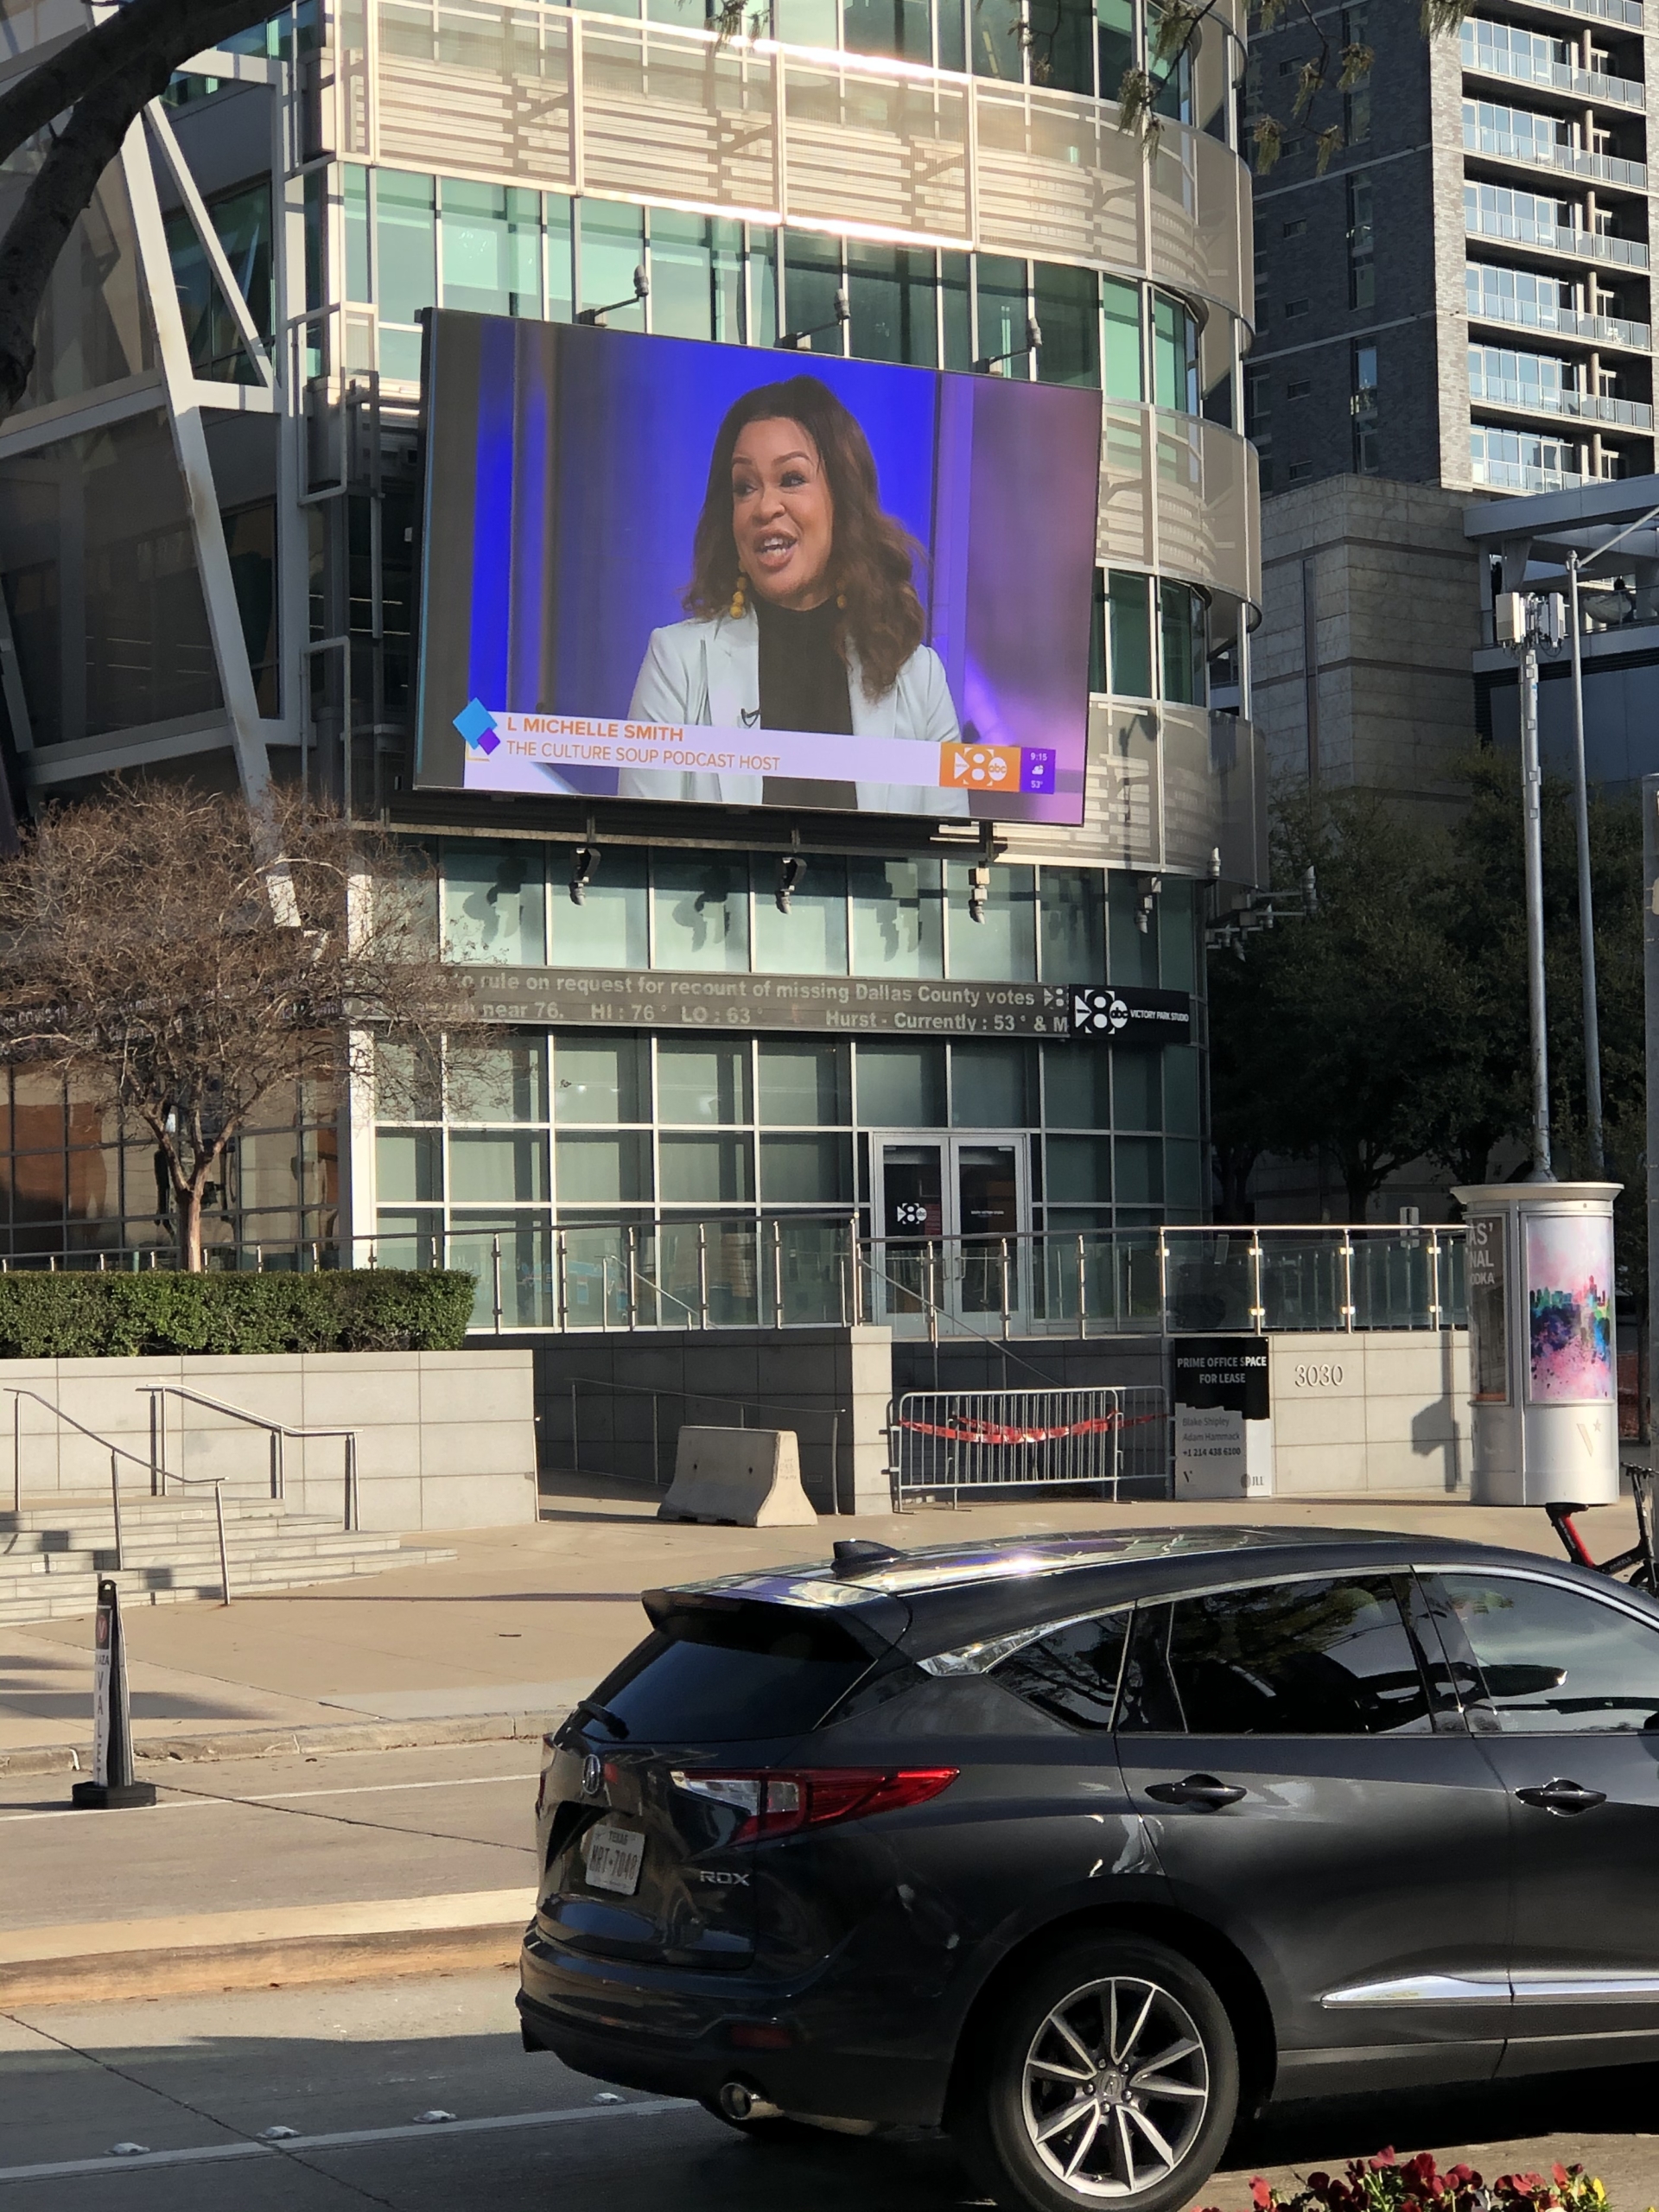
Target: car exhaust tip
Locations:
point(742, 2104)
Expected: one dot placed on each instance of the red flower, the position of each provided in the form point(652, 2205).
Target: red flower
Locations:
point(1261, 2193)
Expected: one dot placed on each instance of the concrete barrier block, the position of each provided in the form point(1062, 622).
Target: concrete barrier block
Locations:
point(748, 1476)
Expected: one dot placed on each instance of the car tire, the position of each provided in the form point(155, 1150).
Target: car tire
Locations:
point(1070, 2035)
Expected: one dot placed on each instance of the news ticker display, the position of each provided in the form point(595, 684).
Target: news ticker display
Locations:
point(846, 1004)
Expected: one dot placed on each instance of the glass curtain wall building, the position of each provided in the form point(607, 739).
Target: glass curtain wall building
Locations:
point(208, 522)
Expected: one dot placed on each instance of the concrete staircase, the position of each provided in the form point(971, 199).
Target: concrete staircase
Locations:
point(52, 1552)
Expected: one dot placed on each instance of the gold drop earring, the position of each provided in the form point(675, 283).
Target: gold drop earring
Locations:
point(737, 606)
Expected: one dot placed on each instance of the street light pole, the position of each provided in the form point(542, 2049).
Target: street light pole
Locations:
point(1586, 898)
point(1532, 816)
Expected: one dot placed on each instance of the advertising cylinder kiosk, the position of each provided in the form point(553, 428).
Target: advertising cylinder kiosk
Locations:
point(1542, 1374)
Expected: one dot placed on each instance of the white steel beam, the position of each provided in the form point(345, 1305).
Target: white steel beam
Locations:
point(196, 208)
point(190, 443)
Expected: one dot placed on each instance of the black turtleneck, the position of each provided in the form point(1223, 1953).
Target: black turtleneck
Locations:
point(803, 682)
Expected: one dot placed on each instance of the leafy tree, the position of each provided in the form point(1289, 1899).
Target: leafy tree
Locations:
point(1326, 1035)
point(64, 121)
point(155, 954)
point(1394, 1025)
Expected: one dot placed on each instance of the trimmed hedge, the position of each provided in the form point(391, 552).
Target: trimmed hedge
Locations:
point(85, 1316)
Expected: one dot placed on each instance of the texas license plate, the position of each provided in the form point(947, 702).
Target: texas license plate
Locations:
point(613, 1858)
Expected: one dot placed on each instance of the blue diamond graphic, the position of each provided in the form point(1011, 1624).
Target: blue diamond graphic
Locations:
point(477, 725)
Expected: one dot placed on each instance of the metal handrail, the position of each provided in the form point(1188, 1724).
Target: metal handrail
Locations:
point(116, 1452)
point(278, 1431)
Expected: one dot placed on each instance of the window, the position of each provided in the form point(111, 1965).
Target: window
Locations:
point(1326, 1657)
point(1000, 294)
point(1294, 307)
point(406, 264)
point(1258, 403)
point(744, 1671)
point(1067, 308)
point(1114, 41)
point(1174, 355)
point(1298, 388)
point(1552, 1662)
point(1357, 100)
point(490, 238)
point(1181, 633)
point(893, 296)
point(1121, 306)
point(613, 246)
point(1300, 472)
point(493, 905)
point(1361, 267)
point(1293, 229)
point(898, 28)
point(1128, 629)
point(1366, 462)
point(1070, 1674)
point(696, 276)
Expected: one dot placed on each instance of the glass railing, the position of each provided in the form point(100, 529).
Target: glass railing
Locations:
point(740, 1271)
point(1486, 61)
point(1549, 315)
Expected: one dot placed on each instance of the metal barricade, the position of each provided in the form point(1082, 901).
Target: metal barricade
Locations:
point(942, 1442)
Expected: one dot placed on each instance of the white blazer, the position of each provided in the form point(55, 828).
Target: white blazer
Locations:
point(707, 674)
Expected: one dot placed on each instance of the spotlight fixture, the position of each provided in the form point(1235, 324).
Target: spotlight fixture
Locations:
point(582, 872)
point(1148, 888)
point(979, 890)
point(790, 868)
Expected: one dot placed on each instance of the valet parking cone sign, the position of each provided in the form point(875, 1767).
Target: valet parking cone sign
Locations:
point(112, 1784)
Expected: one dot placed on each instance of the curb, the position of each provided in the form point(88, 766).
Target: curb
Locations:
point(192, 1971)
point(253, 1744)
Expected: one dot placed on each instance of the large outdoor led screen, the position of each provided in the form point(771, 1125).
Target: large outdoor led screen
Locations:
point(661, 569)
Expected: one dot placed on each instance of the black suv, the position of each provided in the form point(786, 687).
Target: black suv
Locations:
point(1077, 1847)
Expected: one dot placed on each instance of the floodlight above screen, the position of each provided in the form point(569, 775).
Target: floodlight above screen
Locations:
point(661, 569)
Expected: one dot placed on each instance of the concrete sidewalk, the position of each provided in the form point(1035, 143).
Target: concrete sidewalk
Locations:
point(526, 1620)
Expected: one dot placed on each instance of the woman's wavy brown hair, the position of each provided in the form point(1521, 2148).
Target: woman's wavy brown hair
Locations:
point(873, 559)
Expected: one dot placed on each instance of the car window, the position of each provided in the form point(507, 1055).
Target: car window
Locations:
point(1072, 1672)
point(720, 1675)
point(1552, 1662)
point(1327, 1657)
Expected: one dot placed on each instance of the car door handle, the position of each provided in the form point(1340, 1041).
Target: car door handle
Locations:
point(1197, 1789)
point(1560, 1797)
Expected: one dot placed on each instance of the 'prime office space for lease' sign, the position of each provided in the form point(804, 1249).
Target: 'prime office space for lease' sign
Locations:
point(1223, 1416)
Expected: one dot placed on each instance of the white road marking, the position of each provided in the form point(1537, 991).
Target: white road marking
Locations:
point(281, 1796)
point(212, 2153)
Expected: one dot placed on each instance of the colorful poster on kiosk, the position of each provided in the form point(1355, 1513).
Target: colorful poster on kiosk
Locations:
point(662, 570)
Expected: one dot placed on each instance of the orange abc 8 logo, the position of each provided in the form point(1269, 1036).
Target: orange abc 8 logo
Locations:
point(984, 767)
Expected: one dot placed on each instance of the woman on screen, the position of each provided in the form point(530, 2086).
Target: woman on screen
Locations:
point(802, 609)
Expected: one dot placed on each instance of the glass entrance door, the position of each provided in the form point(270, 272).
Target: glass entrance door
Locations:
point(948, 1213)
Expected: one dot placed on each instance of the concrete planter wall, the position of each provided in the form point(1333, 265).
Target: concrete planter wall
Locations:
point(445, 1439)
point(1383, 1410)
point(776, 1378)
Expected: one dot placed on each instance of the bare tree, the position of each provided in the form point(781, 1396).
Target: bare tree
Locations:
point(181, 956)
point(78, 105)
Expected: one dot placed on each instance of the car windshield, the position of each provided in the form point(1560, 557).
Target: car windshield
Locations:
point(720, 1673)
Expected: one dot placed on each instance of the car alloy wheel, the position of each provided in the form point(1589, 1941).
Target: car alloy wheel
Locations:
point(1103, 2075)
point(1116, 2087)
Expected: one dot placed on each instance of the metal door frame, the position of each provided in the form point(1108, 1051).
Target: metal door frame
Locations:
point(949, 1271)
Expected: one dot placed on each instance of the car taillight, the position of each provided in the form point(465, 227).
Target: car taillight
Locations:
point(778, 1804)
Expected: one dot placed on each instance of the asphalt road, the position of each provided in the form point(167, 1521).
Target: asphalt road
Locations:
point(351, 2070)
point(263, 1832)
